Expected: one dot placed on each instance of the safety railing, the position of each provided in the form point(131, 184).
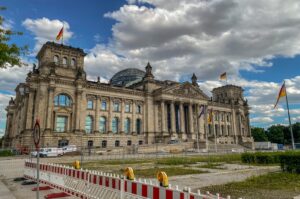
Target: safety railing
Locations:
point(94, 184)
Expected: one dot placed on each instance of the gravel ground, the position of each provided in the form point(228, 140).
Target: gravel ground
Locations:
point(13, 167)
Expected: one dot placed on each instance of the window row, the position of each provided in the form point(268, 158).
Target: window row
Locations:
point(64, 61)
point(64, 100)
point(103, 143)
point(221, 117)
point(116, 106)
point(62, 123)
point(117, 143)
point(115, 125)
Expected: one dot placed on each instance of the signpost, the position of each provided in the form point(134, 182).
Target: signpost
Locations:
point(36, 140)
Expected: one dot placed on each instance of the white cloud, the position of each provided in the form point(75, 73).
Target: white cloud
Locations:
point(261, 120)
point(207, 37)
point(45, 30)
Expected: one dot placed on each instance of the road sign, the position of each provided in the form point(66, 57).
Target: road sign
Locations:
point(36, 134)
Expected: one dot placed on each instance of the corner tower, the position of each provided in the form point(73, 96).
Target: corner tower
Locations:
point(61, 60)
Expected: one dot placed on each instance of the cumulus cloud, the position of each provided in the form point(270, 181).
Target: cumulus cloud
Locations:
point(45, 30)
point(261, 120)
point(207, 37)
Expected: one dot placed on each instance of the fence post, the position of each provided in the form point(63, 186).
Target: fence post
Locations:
point(122, 187)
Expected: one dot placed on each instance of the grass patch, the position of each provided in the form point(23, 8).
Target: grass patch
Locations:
point(6, 153)
point(228, 158)
point(170, 171)
point(211, 166)
point(268, 186)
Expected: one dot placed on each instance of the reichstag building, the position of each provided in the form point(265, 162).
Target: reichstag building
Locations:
point(134, 108)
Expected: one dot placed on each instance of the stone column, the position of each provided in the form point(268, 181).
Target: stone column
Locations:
point(182, 127)
point(163, 121)
point(226, 128)
point(220, 126)
point(122, 116)
point(29, 113)
point(191, 122)
point(78, 110)
point(133, 117)
point(173, 119)
point(234, 127)
point(248, 126)
point(109, 118)
point(96, 119)
point(50, 107)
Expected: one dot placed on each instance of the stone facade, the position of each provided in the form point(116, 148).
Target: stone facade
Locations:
point(142, 110)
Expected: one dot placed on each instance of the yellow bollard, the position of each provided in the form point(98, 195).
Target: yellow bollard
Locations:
point(129, 173)
point(163, 179)
point(76, 164)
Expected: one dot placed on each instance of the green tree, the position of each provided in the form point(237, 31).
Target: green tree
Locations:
point(296, 132)
point(9, 53)
point(259, 134)
point(275, 134)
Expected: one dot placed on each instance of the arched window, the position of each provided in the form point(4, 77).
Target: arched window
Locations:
point(88, 124)
point(127, 125)
point(129, 142)
point(73, 62)
point(56, 59)
point(64, 61)
point(115, 125)
point(117, 143)
point(138, 126)
point(62, 100)
point(102, 125)
point(104, 144)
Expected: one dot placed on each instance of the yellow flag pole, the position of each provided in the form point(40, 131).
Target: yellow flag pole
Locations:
point(291, 128)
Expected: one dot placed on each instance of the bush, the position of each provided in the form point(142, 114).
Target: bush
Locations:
point(261, 157)
point(5, 153)
point(290, 162)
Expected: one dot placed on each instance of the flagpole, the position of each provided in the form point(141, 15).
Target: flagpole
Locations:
point(291, 128)
point(62, 39)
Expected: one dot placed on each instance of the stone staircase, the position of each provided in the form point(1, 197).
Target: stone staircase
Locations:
point(212, 147)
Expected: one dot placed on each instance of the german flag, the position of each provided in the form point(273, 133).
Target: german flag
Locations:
point(282, 93)
point(60, 34)
point(223, 76)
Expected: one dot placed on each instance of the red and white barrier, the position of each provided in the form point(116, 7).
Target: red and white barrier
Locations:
point(93, 184)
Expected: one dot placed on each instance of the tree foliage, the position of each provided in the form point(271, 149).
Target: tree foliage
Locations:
point(9, 53)
point(259, 134)
point(277, 134)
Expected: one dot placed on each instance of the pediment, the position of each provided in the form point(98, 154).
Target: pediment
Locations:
point(185, 90)
point(66, 110)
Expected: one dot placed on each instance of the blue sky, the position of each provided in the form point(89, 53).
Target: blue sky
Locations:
point(256, 43)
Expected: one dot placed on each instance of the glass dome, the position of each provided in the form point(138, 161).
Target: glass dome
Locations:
point(127, 77)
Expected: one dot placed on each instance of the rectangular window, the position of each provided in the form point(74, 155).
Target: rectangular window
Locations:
point(127, 108)
point(61, 123)
point(116, 106)
point(90, 104)
point(138, 109)
point(103, 105)
point(216, 117)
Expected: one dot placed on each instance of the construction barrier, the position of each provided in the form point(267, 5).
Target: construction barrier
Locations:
point(93, 184)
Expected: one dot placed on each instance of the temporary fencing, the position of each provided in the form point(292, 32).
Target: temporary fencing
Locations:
point(94, 184)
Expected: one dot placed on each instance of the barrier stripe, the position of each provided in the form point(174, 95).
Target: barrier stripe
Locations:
point(155, 193)
point(144, 190)
point(91, 184)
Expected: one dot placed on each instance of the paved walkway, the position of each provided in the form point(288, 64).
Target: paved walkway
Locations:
point(5, 192)
point(196, 181)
